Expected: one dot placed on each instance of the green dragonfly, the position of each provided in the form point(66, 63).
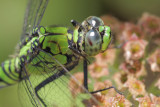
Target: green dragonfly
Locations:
point(46, 55)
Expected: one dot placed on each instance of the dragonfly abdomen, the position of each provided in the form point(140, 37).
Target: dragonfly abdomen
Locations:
point(10, 72)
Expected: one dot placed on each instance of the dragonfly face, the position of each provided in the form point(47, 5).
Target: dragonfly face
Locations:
point(97, 36)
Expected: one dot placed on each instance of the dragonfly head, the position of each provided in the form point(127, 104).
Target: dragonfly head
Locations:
point(96, 36)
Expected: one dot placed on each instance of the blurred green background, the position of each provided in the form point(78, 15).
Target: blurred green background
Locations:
point(59, 12)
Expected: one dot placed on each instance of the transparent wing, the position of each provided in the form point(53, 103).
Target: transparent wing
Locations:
point(33, 15)
point(49, 86)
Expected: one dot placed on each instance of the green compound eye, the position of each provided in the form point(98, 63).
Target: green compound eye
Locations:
point(106, 37)
point(101, 28)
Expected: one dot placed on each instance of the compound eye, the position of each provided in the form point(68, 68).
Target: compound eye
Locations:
point(95, 21)
point(92, 42)
point(93, 37)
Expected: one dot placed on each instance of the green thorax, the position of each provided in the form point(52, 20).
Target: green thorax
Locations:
point(47, 42)
point(51, 39)
point(54, 39)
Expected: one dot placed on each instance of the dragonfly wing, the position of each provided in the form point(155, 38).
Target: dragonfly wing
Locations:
point(33, 15)
point(48, 86)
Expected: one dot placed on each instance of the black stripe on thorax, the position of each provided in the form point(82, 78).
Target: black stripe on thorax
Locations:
point(51, 34)
point(48, 48)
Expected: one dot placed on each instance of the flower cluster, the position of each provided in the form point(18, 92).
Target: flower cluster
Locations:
point(133, 69)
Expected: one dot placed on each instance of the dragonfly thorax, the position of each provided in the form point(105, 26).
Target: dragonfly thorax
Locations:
point(96, 36)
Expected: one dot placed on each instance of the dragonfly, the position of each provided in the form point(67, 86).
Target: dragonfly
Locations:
point(46, 55)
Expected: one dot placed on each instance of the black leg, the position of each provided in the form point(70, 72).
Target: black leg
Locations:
point(107, 89)
point(85, 72)
point(47, 81)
